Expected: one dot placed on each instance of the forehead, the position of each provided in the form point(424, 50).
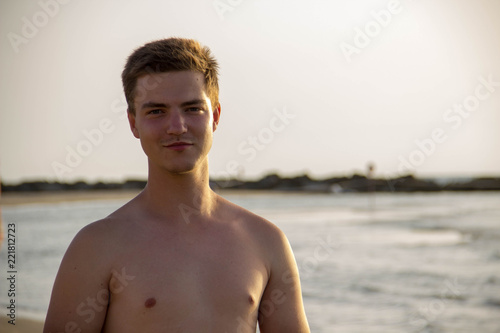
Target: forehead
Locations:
point(170, 87)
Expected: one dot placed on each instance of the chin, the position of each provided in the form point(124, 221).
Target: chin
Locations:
point(180, 169)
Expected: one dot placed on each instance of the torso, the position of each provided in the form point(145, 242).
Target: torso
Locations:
point(186, 278)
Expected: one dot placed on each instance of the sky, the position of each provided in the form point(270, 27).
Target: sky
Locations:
point(316, 87)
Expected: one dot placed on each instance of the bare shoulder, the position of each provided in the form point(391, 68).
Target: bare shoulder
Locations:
point(98, 241)
point(84, 274)
point(99, 234)
point(269, 236)
point(250, 220)
point(91, 248)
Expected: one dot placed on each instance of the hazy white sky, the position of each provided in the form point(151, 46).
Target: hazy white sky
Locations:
point(306, 86)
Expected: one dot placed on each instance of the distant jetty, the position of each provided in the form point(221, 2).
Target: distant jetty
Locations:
point(274, 182)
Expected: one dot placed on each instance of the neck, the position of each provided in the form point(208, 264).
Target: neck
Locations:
point(185, 197)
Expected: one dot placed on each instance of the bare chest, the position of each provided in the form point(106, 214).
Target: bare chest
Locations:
point(186, 284)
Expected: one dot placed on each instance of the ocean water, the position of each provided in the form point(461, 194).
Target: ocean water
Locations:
point(368, 262)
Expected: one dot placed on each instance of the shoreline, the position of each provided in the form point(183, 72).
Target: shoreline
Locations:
point(23, 325)
point(23, 198)
point(10, 199)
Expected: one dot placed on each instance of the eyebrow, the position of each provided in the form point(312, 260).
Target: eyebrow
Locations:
point(149, 105)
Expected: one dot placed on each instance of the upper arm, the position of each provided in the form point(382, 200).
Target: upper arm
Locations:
point(80, 294)
point(281, 308)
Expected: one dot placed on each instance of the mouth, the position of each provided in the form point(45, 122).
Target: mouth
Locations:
point(179, 145)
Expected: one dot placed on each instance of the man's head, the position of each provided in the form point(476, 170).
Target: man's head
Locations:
point(170, 55)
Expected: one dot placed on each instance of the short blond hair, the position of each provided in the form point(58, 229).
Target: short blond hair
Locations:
point(168, 55)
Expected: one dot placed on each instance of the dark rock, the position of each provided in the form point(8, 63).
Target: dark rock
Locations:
point(354, 183)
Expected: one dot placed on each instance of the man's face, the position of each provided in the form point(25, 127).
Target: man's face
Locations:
point(174, 120)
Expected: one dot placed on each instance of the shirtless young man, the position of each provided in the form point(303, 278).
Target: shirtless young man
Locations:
point(178, 257)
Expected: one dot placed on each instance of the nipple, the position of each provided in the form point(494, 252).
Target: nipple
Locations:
point(150, 302)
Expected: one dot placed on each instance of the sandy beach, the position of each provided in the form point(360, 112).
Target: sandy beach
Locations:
point(22, 326)
point(20, 198)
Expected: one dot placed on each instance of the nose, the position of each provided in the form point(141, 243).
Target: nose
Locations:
point(176, 123)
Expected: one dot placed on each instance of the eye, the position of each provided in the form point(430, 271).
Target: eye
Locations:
point(194, 109)
point(155, 111)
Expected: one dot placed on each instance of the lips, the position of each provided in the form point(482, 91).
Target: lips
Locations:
point(179, 145)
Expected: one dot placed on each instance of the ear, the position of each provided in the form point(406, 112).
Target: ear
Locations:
point(131, 121)
point(216, 113)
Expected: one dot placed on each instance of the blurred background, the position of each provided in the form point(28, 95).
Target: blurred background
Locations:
point(360, 81)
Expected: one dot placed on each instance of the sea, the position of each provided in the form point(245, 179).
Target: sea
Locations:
point(373, 262)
